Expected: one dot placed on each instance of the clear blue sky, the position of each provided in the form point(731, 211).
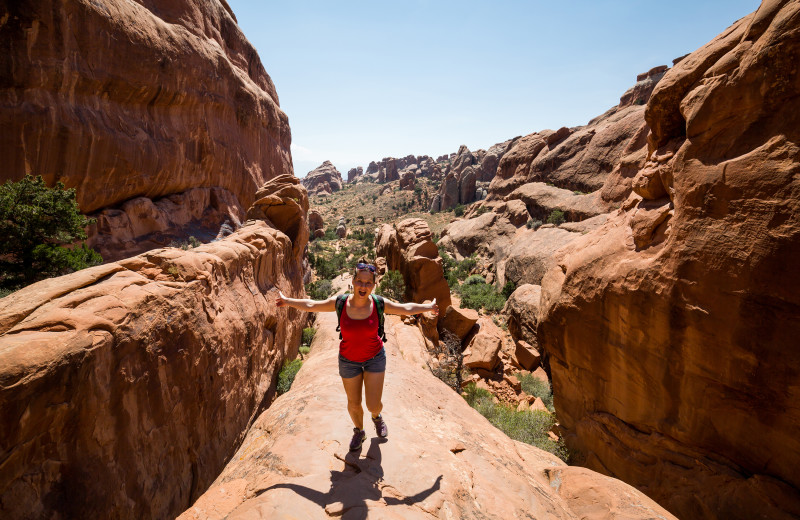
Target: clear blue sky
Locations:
point(364, 80)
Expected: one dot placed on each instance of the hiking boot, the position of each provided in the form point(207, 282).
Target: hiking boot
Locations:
point(380, 426)
point(358, 439)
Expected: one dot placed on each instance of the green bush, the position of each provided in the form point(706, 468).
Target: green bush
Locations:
point(455, 271)
point(287, 375)
point(508, 288)
point(308, 335)
point(530, 427)
point(330, 267)
point(477, 294)
point(458, 210)
point(319, 290)
point(556, 217)
point(35, 223)
point(534, 224)
point(534, 386)
point(392, 286)
point(187, 244)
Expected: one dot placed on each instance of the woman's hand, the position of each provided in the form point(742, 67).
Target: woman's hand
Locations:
point(434, 307)
point(280, 301)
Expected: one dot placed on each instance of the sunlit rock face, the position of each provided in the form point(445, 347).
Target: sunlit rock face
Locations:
point(324, 179)
point(671, 331)
point(442, 459)
point(124, 388)
point(138, 100)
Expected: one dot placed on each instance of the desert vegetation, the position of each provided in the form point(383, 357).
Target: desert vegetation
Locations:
point(42, 230)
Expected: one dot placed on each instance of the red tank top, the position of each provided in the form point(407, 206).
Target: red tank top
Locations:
point(360, 340)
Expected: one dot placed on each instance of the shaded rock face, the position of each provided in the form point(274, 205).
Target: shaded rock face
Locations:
point(142, 224)
point(463, 173)
point(408, 247)
point(324, 179)
point(315, 220)
point(74, 109)
point(442, 459)
point(671, 330)
point(125, 387)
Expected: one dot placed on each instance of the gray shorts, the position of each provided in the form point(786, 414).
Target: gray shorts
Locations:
point(348, 369)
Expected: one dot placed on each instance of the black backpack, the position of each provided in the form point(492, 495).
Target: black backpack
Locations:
point(341, 300)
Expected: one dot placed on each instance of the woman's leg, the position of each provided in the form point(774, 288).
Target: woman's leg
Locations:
point(352, 387)
point(373, 388)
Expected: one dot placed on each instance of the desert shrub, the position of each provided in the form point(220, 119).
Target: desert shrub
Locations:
point(534, 386)
point(319, 290)
point(308, 336)
point(450, 368)
point(187, 244)
point(455, 271)
point(36, 222)
point(508, 288)
point(392, 286)
point(477, 294)
point(530, 427)
point(480, 211)
point(287, 375)
point(534, 224)
point(556, 217)
point(458, 210)
point(330, 233)
point(330, 266)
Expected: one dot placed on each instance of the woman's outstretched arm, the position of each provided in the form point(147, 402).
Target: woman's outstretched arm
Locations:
point(328, 305)
point(406, 309)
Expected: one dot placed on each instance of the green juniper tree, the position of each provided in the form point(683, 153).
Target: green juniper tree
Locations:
point(35, 223)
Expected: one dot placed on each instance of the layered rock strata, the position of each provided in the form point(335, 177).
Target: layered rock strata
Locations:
point(441, 460)
point(671, 330)
point(124, 388)
point(197, 111)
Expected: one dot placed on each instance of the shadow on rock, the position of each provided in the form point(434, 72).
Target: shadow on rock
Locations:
point(360, 481)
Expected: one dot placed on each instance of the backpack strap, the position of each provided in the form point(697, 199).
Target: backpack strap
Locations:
point(378, 299)
point(341, 300)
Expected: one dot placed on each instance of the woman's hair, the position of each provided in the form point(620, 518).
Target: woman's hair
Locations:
point(361, 266)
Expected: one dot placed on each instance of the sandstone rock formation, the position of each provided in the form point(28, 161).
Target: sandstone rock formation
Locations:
point(353, 174)
point(671, 330)
point(441, 460)
point(143, 224)
point(315, 221)
point(197, 110)
point(125, 387)
point(408, 181)
point(645, 83)
point(341, 228)
point(324, 179)
point(408, 248)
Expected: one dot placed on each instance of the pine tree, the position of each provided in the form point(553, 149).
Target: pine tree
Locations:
point(36, 222)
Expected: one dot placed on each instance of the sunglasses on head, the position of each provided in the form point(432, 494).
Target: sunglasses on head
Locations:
point(361, 267)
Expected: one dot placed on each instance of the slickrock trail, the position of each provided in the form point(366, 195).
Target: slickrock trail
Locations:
point(442, 459)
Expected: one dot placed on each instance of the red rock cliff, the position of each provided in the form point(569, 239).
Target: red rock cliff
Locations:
point(124, 388)
point(123, 99)
point(672, 331)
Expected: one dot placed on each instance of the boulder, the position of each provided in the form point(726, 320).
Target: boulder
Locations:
point(459, 321)
point(449, 193)
point(677, 319)
point(324, 179)
point(522, 310)
point(484, 348)
point(315, 220)
point(526, 356)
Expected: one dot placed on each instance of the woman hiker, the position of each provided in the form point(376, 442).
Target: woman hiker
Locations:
point(362, 358)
